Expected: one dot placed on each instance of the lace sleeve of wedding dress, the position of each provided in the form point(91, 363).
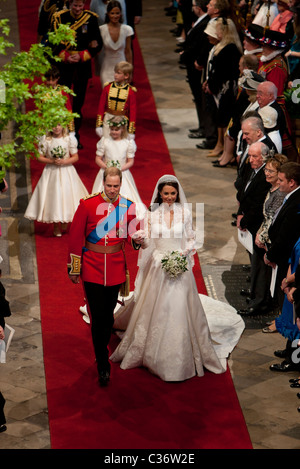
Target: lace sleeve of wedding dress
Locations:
point(189, 234)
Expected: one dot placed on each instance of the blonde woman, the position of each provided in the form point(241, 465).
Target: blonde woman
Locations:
point(223, 75)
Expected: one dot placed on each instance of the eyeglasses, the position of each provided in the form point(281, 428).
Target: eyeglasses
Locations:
point(270, 171)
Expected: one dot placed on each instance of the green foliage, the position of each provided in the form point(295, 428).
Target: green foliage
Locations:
point(25, 100)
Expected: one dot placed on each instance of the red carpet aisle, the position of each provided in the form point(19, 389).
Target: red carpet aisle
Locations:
point(137, 410)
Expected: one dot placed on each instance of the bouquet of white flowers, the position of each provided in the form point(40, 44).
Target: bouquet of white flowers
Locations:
point(174, 264)
point(58, 152)
point(113, 163)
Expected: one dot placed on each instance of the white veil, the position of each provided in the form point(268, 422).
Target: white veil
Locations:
point(182, 206)
point(165, 179)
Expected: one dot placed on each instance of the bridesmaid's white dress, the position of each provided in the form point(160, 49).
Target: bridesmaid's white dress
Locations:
point(116, 152)
point(166, 327)
point(59, 189)
point(113, 52)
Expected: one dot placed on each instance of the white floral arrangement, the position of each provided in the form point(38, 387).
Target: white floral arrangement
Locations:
point(113, 163)
point(174, 264)
point(58, 152)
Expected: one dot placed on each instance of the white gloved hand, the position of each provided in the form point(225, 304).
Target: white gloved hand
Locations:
point(99, 131)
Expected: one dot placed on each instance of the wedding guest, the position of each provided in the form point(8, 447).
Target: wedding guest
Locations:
point(248, 83)
point(251, 197)
point(284, 16)
point(223, 76)
point(266, 13)
point(267, 95)
point(196, 39)
point(286, 323)
point(285, 228)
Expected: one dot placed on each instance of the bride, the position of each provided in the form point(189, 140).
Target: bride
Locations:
point(166, 329)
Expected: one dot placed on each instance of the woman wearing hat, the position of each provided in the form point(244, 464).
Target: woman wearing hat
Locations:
point(223, 75)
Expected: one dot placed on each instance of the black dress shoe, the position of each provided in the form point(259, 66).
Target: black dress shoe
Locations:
point(298, 395)
point(205, 145)
point(198, 134)
point(245, 292)
point(246, 268)
point(194, 130)
point(295, 385)
point(104, 378)
point(294, 380)
point(249, 311)
point(284, 366)
point(219, 165)
point(3, 428)
point(280, 353)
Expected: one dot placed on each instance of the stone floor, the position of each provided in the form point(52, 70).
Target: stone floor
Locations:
point(269, 405)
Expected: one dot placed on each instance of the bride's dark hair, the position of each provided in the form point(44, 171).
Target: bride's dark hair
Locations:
point(158, 199)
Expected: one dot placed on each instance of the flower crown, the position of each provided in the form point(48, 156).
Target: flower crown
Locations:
point(122, 123)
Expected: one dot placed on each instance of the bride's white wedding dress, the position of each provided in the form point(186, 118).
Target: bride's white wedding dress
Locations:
point(166, 328)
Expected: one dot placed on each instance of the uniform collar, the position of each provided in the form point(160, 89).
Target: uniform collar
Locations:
point(78, 17)
point(107, 199)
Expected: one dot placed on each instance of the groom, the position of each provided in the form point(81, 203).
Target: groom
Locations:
point(98, 232)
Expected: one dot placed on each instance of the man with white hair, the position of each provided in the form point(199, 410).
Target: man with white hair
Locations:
point(267, 96)
point(251, 198)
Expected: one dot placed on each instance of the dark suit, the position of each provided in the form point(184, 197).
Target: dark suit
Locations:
point(196, 40)
point(244, 165)
point(283, 234)
point(251, 198)
point(133, 9)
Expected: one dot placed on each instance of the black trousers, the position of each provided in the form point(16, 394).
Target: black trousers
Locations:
point(101, 301)
point(76, 77)
point(260, 280)
point(2, 416)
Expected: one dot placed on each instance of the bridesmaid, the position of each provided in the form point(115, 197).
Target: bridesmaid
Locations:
point(116, 38)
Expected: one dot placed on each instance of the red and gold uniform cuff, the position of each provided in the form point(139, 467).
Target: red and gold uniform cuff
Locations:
point(74, 267)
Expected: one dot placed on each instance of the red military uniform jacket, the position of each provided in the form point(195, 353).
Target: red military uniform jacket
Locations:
point(101, 224)
point(275, 70)
point(119, 100)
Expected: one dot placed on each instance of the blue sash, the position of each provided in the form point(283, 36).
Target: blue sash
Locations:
point(110, 222)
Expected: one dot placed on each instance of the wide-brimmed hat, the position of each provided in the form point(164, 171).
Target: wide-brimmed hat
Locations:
point(254, 32)
point(210, 29)
point(274, 39)
point(250, 80)
point(269, 117)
